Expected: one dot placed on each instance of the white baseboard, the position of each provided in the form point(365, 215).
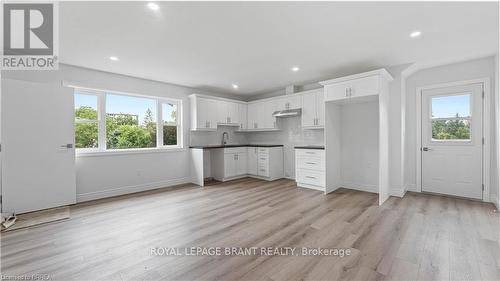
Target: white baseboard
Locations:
point(129, 189)
point(411, 187)
point(397, 192)
point(495, 200)
point(360, 187)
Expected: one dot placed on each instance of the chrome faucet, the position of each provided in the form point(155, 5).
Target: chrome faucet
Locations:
point(225, 138)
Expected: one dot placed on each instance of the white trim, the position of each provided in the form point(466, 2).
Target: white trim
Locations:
point(486, 130)
point(381, 72)
point(82, 197)
point(397, 192)
point(216, 98)
point(116, 152)
point(360, 187)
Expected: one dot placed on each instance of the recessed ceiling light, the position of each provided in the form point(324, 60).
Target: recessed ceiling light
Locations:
point(295, 68)
point(153, 6)
point(113, 58)
point(234, 86)
point(415, 34)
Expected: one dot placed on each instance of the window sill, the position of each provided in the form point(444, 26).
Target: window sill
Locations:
point(127, 151)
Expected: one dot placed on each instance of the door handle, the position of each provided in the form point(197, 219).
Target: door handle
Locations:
point(68, 145)
point(426, 149)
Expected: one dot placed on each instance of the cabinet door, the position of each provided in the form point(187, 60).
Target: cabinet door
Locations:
point(293, 102)
point(366, 86)
point(222, 112)
point(320, 109)
point(241, 166)
point(338, 91)
point(233, 115)
point(252, 160)
point(230, 164)
point(211, 115)
point(266, 119)
point(308, 110)
point(204, 116)
point(242, 111)
point(252, 116)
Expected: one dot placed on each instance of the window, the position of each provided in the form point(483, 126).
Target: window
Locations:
point(451, 118)
point(128, 122)
point(86, 121)
point(169, 118)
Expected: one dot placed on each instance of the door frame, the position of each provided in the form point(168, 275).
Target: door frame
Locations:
point(486, 130)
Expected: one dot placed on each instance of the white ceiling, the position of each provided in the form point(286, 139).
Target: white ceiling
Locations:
point(210, 45)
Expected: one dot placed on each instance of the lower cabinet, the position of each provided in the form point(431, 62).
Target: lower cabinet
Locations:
point(260, 162)
point(310, 168)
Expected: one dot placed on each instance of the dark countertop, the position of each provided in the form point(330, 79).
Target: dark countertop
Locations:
point(234, 145)
point(310, 147)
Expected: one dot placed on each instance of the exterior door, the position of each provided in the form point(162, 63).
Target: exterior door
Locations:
point(38, 170)
point(452, 141)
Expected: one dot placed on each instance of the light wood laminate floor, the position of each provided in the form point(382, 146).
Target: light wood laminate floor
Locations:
point(419, 237)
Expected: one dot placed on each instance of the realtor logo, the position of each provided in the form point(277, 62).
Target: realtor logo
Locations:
point(29, 36)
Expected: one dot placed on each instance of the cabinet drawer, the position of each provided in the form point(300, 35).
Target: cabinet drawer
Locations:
point(262, 171)
point(305, 153)
point(311, 163)
point(264, 151)
point(311, 177)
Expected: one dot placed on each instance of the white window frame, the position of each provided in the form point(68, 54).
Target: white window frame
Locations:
point(469, 118)
point(159, 136)
point(101, 119)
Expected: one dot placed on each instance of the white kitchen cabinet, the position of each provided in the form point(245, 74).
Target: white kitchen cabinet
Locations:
point(269, 163)
point(252, 160)
point(366, 89)
point(229, 163)
point(293, 101)
point(202, 113)
point(208, 112)
point(352, 88)
point(310, 168)
point(242, 111)
point(261, 162)
point(313, 109)
point(260, 115)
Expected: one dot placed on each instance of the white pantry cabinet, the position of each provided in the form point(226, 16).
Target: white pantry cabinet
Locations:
point(313, 109)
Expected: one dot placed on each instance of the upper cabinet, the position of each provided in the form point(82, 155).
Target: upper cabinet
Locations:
point(355, 86)
point(202, 113)
point(260, 115)
point(207, 113)
point(288, 102)
point(313, 109)
point(228, 113)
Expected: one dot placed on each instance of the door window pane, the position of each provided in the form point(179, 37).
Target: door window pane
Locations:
point(451, 117)
point(169, 111)
point(86, 122)
point(130, 122)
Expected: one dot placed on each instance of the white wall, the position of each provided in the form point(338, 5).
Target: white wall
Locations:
point(478, 68)
point(290, 135)
point(496, 169)
point(359, 139)
point(102, 176)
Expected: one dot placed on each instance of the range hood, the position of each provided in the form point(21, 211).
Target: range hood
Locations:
point(287, 113)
